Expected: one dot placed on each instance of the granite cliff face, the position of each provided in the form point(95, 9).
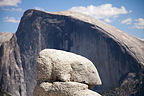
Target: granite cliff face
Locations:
point(11, 71)
point(114, 53)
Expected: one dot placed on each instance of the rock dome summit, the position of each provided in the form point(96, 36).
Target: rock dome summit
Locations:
point(118, 57)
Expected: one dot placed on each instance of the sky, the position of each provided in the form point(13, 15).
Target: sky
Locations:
point(126, 15)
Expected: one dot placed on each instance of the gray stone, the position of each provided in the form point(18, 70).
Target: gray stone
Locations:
point(61, 73)
point(11, 70)
point(113, 52)
point(58, 65)
point(63, 89)
point(5, 36)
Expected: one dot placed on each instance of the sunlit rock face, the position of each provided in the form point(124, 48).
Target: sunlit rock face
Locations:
point(61, 73)
point(113, 52)
point(57, 65)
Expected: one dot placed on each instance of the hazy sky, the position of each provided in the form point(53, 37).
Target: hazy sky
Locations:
point(127, 15)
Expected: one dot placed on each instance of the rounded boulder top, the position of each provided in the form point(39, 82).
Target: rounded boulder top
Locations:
point(57, 65)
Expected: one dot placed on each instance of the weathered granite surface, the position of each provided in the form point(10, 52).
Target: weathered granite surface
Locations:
point(114, 53)
point(57, 65)
point(5, 36)
point(63, 89)
point(11, 70)
point(61, 73)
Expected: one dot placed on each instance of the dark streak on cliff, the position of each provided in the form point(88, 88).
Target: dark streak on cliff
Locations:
point(114, 53)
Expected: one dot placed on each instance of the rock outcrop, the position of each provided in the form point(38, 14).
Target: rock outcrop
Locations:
point(11, 70)
point(56, 65)
point(63, 89)
point(114, 53)
point(60, 73)
point(5, 37)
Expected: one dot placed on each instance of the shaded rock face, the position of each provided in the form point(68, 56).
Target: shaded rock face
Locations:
point(11, 71)
point(113, 52)
point(61, 73)
point(132, 85)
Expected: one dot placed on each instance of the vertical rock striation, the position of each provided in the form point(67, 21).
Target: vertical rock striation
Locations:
point(11, 71)
point(114, 53)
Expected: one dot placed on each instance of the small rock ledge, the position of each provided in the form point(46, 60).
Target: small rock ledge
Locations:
point(61, 73)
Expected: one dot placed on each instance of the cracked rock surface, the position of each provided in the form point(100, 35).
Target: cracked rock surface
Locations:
point(114, 53)
point(61, 73)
